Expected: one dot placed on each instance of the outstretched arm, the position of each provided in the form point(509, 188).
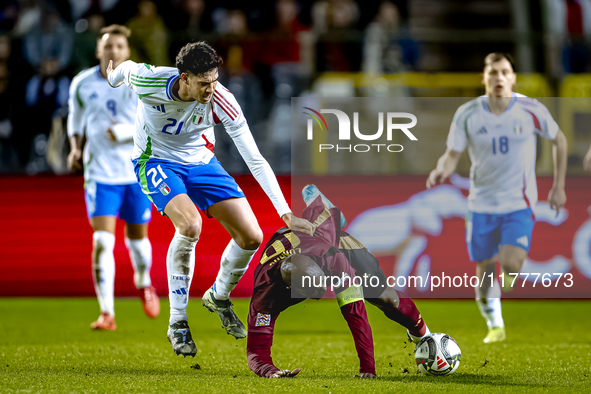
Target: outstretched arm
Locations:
point(120, 75)
point(258, 351)
point(261, 170)
point(446, 165)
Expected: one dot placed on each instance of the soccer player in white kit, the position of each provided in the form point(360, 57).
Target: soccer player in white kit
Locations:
point(175, 163)
point(107, 118)
point(500, 131)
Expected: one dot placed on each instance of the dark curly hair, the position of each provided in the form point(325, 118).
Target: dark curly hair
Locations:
point(197, 58)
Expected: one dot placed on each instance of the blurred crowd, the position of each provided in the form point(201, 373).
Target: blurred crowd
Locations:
point(272, 51)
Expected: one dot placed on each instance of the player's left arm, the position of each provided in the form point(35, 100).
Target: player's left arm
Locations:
point(353, 310)
point(121, 74)
point(557, 195)
point(547, 127)
point(258, 351)
point(237, 128)
point(121, 132)
point(587, 160)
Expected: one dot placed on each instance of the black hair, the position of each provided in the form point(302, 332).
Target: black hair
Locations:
point(197, 58)
point(496, 56)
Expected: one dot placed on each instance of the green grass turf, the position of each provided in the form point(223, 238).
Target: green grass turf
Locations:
point(46, 346)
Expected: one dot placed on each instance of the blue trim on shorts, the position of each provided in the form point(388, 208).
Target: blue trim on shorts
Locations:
point(205, 184)
point(485, 233)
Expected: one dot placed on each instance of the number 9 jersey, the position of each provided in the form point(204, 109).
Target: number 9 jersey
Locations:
point(502, 150)
point(94, 108)
point(174, 130)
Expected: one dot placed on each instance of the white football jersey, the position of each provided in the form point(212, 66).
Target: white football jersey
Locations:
point(502, 149)
point(179, 131)
point(183, 131)
point(95, 107)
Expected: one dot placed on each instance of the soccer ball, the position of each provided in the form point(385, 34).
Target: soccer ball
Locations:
point(438, 354)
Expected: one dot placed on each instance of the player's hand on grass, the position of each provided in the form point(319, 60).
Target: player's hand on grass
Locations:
point(286, 373)
point(298, 224)
point(365, 375)
point(75, 161)
point(557, 198)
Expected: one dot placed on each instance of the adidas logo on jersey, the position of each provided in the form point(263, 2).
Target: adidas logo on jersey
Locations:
point(523, 241)
point(159, 108)
point(482, 130)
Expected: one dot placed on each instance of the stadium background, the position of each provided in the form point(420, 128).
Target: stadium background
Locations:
point(273, 50)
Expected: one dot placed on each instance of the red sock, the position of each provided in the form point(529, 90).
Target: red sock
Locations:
point(408, 316)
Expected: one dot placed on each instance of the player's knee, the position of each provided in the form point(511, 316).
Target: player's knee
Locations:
point(189, 229)
point(251, 240)
point(103, 241)
point(512, 264)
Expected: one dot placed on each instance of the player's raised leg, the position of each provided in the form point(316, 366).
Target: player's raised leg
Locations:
point(398, 307)
point(180, 265)
point(236, 215)
point(103, 270)
point(310, 192)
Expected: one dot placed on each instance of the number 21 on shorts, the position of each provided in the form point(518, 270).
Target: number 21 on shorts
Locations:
point(152, 171)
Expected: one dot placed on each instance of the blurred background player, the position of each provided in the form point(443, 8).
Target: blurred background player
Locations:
point(500, 131)
point(291, 256)
point(587, 160)
point(175, 162)
point(106, 117)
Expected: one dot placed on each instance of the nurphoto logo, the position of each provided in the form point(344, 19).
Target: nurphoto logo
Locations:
point(344, 131)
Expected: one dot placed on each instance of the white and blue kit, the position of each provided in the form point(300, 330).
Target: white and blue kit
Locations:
point(503, 189)
point(174, 141)
point(110, 185)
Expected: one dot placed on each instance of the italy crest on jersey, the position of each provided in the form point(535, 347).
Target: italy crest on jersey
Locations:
point(517, 128)
point(198, 115)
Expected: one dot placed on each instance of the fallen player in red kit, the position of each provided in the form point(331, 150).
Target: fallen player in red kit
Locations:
point(290, 256)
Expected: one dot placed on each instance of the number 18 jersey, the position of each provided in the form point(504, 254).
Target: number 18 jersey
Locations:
point(502, 150)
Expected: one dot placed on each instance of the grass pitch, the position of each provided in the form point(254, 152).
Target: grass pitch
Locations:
point(46, 346)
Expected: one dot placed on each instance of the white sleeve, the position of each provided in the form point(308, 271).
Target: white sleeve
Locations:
point(123, 74)
point(457, 137)
point(260, 168)
point(544, 123)
point(123, 132)
point(75, 110)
